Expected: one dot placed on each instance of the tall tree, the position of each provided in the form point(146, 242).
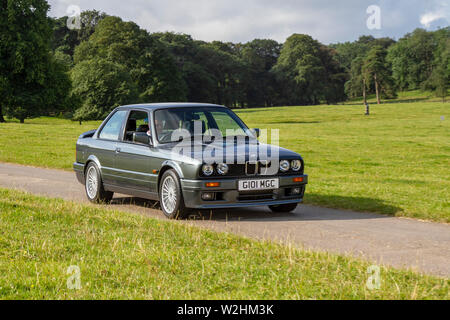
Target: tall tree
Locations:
point(376, 70)
point(440, 77)
point(201, 85)
point(101, 85)
point(347, 52)
point(27, 71)
point(308, 72)
point(259, 57)
point(412, 59)
point(226, 70)
point(147, 60)
point(355, 86)
point(65, 39)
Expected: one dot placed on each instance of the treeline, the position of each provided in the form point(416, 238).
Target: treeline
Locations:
point(419, 60)
point(46, 68)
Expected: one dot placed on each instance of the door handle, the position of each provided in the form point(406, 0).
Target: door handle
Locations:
point(118, 150)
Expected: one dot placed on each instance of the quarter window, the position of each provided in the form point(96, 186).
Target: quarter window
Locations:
point(111, 131)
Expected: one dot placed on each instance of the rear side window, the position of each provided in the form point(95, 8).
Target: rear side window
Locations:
point(111, 131)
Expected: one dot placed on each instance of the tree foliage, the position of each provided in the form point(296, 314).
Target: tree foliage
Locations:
point(112, 62)
point(259, 57)
point(309, 72)
point(66, 40)
point(100, 86)
point(377, 72)
point(33, 82)
point(148, 64)
point(412, 59)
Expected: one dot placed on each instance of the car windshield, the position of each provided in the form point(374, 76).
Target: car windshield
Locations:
point(196, 121)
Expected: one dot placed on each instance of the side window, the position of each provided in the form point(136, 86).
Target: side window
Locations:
point(111, 131)
point(137, 122)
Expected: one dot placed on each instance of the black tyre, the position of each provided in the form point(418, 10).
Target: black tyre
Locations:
point(284, 207)
point(95, 191)
point(171, 197)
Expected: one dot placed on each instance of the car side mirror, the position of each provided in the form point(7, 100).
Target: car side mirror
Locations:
point(256, 132)
point(143, 138)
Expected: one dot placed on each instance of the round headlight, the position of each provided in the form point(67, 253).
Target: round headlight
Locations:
point(296, 165)
point(223, 169)
point(284, 166)
point(207, 169)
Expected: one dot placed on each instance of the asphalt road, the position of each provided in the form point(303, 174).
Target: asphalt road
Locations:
point(403, 243)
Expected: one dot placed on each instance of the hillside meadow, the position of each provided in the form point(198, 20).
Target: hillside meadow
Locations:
point(395, 161)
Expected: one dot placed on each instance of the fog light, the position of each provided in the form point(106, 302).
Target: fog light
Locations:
point(296, 191)
point(298, 179)
point(208, 196)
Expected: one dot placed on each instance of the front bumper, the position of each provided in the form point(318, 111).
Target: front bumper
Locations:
point(228, 196)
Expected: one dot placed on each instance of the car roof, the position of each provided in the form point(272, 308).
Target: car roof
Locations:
point(170, 105)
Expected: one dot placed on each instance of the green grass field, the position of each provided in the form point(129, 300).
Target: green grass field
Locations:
point(127, 256)
point(396, 162)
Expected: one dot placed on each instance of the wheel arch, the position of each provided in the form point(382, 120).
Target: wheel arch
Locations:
point(94, 159)
point(169, 165)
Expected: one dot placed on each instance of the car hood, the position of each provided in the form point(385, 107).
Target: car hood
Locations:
point(249, 151)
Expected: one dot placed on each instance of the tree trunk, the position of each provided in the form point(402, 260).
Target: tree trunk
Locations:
point(22, 120)
point(376, 89)
point(2, 120)
point(364, 91)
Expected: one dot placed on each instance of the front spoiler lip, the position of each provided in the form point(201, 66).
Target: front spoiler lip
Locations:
point(248, 204)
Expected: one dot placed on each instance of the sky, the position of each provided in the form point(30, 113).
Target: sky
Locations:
point(329, 21)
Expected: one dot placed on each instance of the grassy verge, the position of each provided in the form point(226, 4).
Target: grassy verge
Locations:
point(122, 255)
point(42, 142)
point(397, 161)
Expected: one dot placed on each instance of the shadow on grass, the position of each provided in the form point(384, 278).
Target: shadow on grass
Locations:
point(405, 100)
point(292, 122)
point(318, 208)
point(359, 204)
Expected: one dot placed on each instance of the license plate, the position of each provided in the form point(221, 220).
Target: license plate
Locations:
point(260, 184)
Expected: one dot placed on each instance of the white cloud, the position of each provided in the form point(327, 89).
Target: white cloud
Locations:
point(430, 17)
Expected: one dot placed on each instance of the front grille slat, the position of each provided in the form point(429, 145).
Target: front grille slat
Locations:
point(260, 195)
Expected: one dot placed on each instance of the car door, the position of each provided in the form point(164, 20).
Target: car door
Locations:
point(134, 160)
point(106, 144)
